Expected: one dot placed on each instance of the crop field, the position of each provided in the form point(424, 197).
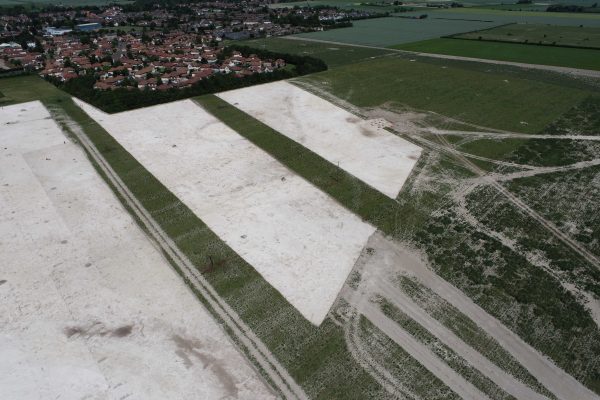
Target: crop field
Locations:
point(75, 252)
point(515, 52)
point(542, 34)
point(456, 281)
point(394, 30)
point(333, 55)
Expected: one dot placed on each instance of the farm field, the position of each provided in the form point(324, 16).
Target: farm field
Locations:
point(512, 17)
point(382, 5)
point(333, 55)
point(543, 34)
point(71, 253)
point(514, 52)
point(390, 31)
point(361, 148)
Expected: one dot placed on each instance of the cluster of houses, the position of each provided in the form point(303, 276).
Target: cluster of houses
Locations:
point(174, 60)
point(12, 55)
point(174, 45)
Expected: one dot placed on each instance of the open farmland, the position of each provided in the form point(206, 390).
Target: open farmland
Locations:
point(542, 34)
point(362, 148)
point(394, 30)
point(516, 17)
point(495, 100)
point(85, 297)
point(513, 52)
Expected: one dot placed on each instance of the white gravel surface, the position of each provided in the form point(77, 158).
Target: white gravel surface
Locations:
point(360, 147)
point(88, 307)
point(299, 239)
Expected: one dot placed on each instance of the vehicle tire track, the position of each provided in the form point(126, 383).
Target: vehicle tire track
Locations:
point(501, 378)
point(557, 381)
point(278, 375)
point(420, 352)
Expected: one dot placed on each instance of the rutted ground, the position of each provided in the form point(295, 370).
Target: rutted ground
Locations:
point(478, 271)
point(547, 379)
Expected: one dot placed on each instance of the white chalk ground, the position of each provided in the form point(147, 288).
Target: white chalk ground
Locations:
point(299, 239)
point(360, 147)
point(89, 309)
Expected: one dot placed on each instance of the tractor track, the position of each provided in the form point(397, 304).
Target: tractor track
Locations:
point(243, 335)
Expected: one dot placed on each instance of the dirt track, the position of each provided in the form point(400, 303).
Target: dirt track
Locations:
point(389, 256)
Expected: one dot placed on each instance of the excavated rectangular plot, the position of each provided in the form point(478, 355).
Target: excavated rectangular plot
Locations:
point(300, 240)
point(360, 147)
point(89, 308)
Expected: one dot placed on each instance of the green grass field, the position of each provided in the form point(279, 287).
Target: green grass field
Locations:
point(523, 53)
point(507, 16)
point(390, 31)
point(541, 34)
point(494, 100)
point(333, 55)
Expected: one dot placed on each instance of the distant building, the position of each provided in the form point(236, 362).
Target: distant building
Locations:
point(52, 31)
point(94, 26)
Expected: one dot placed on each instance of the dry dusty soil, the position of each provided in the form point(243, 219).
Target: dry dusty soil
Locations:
point(299, 239)
point(360, 147)
point(88, 306)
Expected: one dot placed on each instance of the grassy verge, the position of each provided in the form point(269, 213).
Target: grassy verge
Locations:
point(349, 191)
